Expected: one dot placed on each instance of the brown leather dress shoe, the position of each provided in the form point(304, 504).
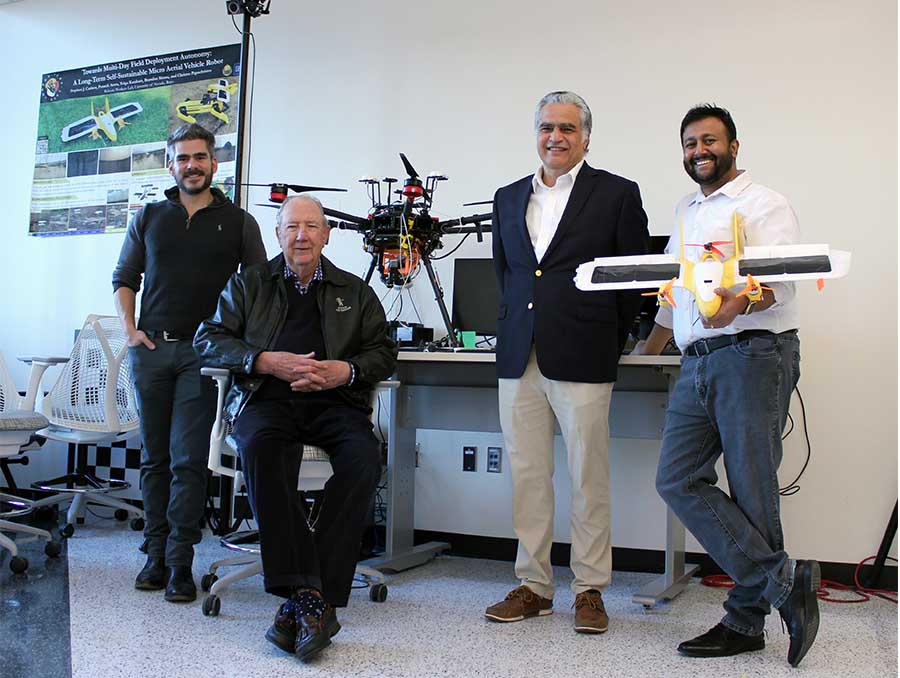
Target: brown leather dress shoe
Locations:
point(519, 604)
point(312, 636)
point(590, 614)
point(283, 631)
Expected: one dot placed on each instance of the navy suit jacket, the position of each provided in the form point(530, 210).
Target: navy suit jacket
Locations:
point(578, 335)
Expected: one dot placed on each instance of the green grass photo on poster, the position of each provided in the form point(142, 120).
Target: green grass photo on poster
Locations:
point(150, 124)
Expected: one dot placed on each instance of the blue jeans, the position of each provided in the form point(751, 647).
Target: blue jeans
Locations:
point(734, 402)
point(177, 407)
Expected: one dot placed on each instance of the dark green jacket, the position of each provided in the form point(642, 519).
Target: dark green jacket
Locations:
point(251, 313)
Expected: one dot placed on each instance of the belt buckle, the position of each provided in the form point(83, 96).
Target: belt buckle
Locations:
point(701, 348)
point(168, 337)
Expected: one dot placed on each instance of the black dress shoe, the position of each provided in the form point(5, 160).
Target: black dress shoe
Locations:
point(283, 631)
point(721, 641)
point(316, 623)
point(153, 576)
point(180, 587)
point(800, 611)
point(312, 637)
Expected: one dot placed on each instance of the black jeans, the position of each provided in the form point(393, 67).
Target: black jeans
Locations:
point(270, 435)
point(177, 407)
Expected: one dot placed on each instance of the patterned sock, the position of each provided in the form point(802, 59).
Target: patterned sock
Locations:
point(306, 602)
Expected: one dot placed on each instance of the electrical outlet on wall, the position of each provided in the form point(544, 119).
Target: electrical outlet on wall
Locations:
point(493, 459)
point(470, 458)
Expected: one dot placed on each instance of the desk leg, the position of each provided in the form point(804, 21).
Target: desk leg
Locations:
point(677, 574)
point(400, 554)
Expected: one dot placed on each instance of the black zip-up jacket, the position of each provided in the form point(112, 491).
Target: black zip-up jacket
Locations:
point(185, 261)
point(251, 313)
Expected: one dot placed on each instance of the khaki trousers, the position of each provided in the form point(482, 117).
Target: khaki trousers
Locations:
point(527, 409)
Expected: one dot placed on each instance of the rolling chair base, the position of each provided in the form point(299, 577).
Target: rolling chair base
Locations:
point(86, 487)
point(246, 542)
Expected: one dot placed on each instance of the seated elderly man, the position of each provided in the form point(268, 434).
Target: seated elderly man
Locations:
point(306, 342)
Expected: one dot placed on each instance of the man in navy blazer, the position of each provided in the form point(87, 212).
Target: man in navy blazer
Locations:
point(557, 351)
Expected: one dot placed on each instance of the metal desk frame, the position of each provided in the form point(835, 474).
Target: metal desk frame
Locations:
point(473, 375)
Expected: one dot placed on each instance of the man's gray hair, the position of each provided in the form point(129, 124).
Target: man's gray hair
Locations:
point(565, 98)
point(301, 196)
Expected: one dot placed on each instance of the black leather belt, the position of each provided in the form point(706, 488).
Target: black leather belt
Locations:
point(703, 347)
point(167, 336)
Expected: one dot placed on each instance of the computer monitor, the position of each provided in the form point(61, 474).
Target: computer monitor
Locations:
point(647, 314)
point(476, 296)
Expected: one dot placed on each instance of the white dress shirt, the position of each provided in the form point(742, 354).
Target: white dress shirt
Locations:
point(546, 206)
point(766, 219)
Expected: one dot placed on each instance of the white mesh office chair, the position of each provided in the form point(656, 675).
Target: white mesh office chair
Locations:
point(91, 402)
point(314, 473)
point(17, 433)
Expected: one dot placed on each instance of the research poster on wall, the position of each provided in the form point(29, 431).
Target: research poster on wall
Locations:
point(101, 140)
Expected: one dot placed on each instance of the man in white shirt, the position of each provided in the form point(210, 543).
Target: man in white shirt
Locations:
point(557, 351)
point(732, 397)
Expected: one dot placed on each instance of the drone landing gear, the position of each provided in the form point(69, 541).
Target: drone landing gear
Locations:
point(439, 298)
point(435, 286)
point(372, 265)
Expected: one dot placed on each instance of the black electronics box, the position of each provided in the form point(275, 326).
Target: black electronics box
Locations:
point(410, 334)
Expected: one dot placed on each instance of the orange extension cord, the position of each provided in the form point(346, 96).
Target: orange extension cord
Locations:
point(864, 594)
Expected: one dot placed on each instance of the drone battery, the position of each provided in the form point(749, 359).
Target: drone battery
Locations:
point(410, 334)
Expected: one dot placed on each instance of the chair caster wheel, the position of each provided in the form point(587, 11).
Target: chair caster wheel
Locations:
point(378, 593)
point(52, 549)
point(137, 524)
point(207, 580)
point(120, 515)
point(211, 606)
point(18, 564)
point(67, 530)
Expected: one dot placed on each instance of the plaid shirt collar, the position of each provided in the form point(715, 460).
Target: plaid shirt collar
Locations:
point(291, 277)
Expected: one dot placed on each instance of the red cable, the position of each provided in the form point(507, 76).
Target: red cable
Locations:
point(725, 582)
point(885, 594)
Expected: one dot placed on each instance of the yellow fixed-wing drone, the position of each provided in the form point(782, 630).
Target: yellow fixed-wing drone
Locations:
point(750, 266)
point(107, 120)
point(215, 102)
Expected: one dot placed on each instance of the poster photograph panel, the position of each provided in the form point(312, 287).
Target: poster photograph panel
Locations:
point(101, 152)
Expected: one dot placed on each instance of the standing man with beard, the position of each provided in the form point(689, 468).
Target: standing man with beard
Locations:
point(186, 246)
point(731, 400)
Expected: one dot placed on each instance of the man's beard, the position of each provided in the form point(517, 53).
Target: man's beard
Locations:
point(182, 186)
point(723, 165)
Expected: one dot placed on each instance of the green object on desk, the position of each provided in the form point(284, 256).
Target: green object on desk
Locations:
point(467, 338)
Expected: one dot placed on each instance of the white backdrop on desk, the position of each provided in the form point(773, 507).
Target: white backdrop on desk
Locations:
point(341, 88)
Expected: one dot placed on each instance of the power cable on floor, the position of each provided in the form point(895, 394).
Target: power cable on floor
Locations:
point(865, 594)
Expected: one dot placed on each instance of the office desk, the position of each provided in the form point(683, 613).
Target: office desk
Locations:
point(458, 392)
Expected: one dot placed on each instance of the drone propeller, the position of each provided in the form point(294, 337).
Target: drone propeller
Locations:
point(664, 294)
point(711, 246)
point(278, 191)
point(480, 202)
point(412, 187)
point(753, 287)
point(410, 170)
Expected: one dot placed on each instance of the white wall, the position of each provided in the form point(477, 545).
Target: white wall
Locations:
point(342, 87)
